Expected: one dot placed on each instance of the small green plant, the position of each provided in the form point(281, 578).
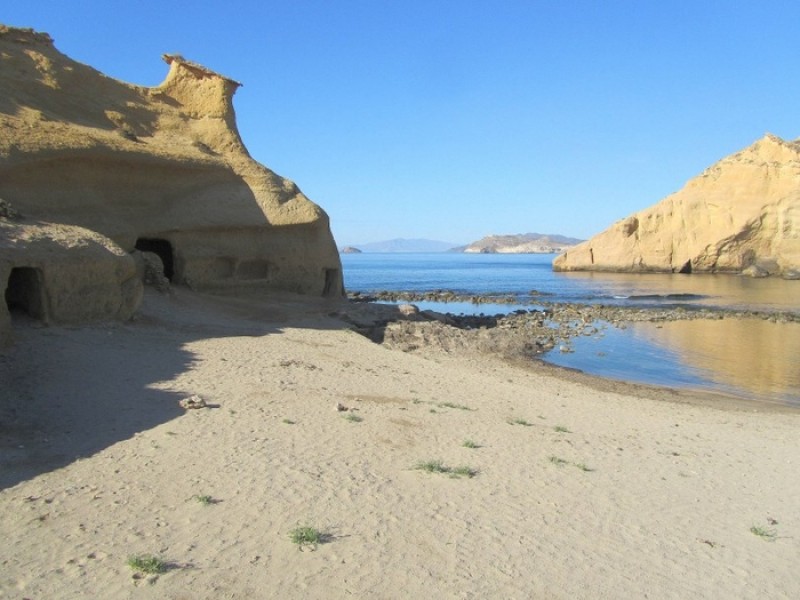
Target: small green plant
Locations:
point(205, 499)
point(453, 405)
point(147, 563)
point(352, 417)
point(764, 533)
point(307, 537)
point(289, 422)
point(431, 466)
point(437, 466)
point(560, 462)
point(470, 444)
point(561, 429)
point(463, 471)
point(584, 467)
point(522, 422)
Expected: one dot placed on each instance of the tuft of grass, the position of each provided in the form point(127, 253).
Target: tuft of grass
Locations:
point(352, 417)
point(431, 466)
point(522, 422)
point(289, 422)
point(453, 405)
point(204, 499)
point(437, 466)
point(558, 461)
point(470, 444)
point(307, 537)
point(147, 563)
point(764, 533)
point(584, 467)
point(463, 471)
point(561, 429)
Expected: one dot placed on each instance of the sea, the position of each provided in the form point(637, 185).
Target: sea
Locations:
point(753, 359)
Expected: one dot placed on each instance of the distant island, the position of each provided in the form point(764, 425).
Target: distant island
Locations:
point(520, 243)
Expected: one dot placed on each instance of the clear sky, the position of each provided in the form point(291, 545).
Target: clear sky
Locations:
point(455, 119)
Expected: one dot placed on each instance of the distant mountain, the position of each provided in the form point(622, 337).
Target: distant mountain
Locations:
point(521, 243)
point(403, 245)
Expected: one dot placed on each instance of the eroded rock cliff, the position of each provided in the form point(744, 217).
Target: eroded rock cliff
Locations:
point(741, 214)
point(161, 169)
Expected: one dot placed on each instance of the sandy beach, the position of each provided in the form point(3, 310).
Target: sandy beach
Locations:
point(570, 490)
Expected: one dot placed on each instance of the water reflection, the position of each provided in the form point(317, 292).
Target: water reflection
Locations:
point(730, 291)
point(757, 357)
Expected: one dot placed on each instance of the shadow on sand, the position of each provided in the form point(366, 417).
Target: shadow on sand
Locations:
point(67, 393)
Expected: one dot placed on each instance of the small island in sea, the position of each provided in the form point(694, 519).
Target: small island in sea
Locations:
point(521, 243)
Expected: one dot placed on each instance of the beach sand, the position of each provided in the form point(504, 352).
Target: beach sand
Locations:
point(578, 490)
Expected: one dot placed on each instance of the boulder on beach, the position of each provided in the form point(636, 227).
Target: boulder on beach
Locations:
point(741, 214)
point(92, 169)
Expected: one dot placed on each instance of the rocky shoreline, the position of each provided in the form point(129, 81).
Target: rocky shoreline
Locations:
point(523, 333)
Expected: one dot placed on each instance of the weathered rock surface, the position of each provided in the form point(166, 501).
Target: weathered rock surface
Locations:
point(742, 212)
point(521, 243)
point(102, 167)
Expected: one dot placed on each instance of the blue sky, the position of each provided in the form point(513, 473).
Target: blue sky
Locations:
point(455, 119)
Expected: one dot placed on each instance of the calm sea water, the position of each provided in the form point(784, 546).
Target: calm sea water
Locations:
point(747, 358)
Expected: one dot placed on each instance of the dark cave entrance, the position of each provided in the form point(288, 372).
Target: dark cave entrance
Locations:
point(24, 293)
point(331, 279)
point(164, 251)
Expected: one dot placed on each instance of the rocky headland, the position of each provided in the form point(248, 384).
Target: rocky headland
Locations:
point(741, 215)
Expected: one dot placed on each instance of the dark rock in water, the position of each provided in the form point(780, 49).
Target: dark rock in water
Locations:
point(755, 271)
point(791, 274)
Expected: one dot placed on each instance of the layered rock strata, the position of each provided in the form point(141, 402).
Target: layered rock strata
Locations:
point(159, 169)
point(740, 215)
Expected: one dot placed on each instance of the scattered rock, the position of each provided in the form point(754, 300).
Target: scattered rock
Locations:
point(193, 403)
point(8, 212)
point(755, 271)
point(408, 309)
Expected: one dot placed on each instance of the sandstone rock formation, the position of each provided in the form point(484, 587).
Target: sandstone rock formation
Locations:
point(98, 169)
point(742, 212)
point(521, 243)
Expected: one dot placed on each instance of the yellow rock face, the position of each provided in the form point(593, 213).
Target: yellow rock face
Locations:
point(742, 213)
point(161, 169)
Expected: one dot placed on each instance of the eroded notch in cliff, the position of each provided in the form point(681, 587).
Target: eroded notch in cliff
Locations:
point(164, 251)
point(25, 293)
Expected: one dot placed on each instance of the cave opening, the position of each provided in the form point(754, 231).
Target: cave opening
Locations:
point(24, 292)
point(163, 249)
point(331, 280)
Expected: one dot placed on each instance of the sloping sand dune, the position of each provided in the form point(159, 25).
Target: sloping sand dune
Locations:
point(577, 492)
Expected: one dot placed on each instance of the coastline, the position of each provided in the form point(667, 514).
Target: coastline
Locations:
point(604, 489)
point(692, 357)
